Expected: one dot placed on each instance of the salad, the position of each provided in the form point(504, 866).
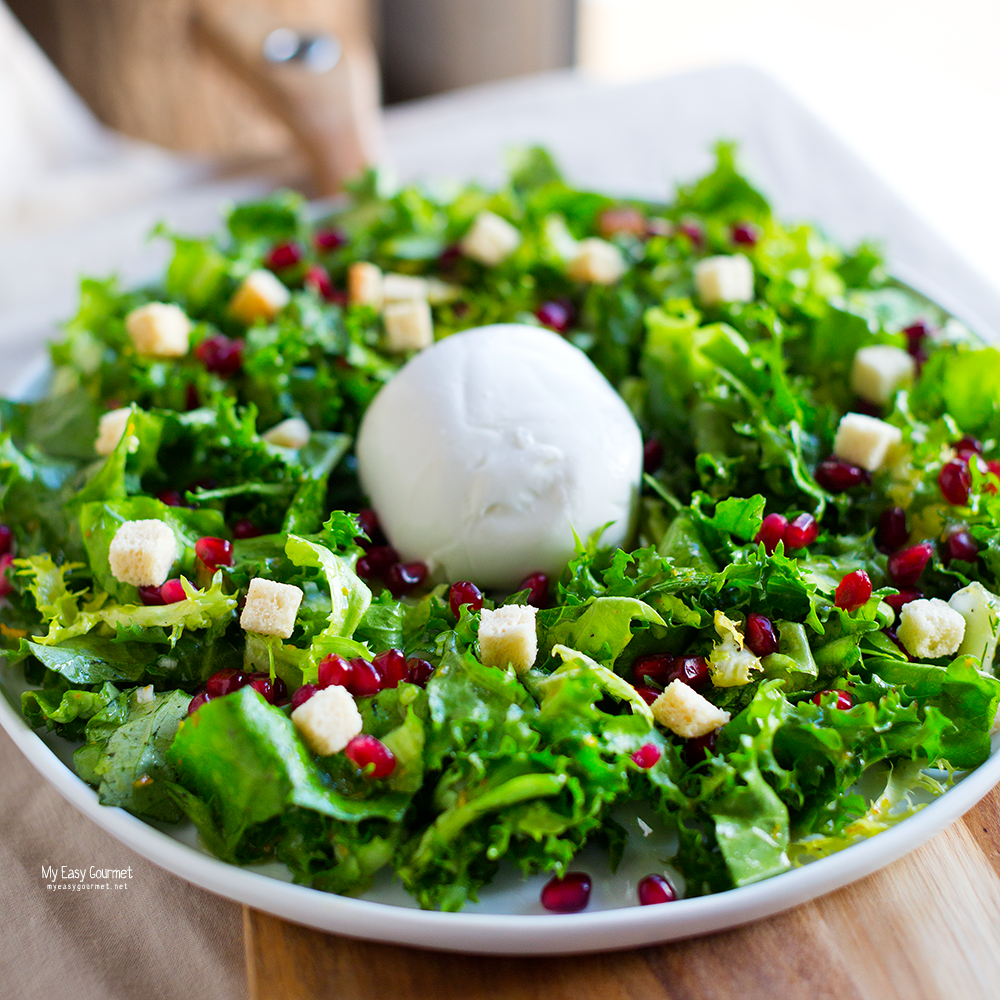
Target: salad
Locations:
point(805, 608)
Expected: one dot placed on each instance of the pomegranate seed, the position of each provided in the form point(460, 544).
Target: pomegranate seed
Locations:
point(693, 232)
point(647, 755)
point(221, 355)
point(371, 755)
point(836, 475)
point(761, 639)
point(746, 234)
point(173, 591)
point(537, 586)
point(151, 596)
point(652, 456)
point(191, 399)
point(172, 498)
point(273, 691)
point(961, 545)
point(905, 567)
point(462, 593)
point(214, 552)
point(245, 528)
point(969, 444)
point(772, 531)
point(843, 702)
point(335, 671)
point(892, 531)
point(391, 668)
point(915, 335)
point(655, 666)
point(691, 670)
point(368, 523)
point(328, 239)
point(224, 682)
point(5, 585)
point(655, 889)
point(621, 219)
point(303, 694)
point(449, 258)
point(853, 591)
point(555, 315)
point(364, 680)
point(401, 578)
point(197, 701)
point(896, 601)
point(419, 671)
point(954, 481)
point(376, 561)
point(6, 539)
point(648, 694)
point(696, 749)
point(318, 279)
point(284, 255)
point(801, 532)
point(568, 894)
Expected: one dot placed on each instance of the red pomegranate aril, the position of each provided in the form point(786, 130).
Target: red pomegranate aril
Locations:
point(151, 596)
point(5, 584)
point(646, 756)
point(802, 531)
point(916, 333)
point(303, 694)
point(656, 666)
point(172, 498)
point(318, 279)
point(892, 531)
point(555, 315)
point(221, 355)
point(961, 545)
point(191, 398)
point(391, 667)
point(655, 889)
point(6, 539)
point(224, 682)
point(693, 232)
point(746, 234)
point(284, 255)
point(378, 559)
point(954, 480)
point(197, 701)
point(273, 691)
point(245, 528)
point(214, 552)
point(568, 894)
point(172, 591)
point(328, 239)
point(896, 601)
point(371, 755)
point(537, 586)
point(449, 258)
point(968, 444)
point(835, 475)
point(419, 671)
point(761, 639)
point(401, 578)
point(772, 531)
point(335, 670)
point(905, 567)
point(464, 592)
point(843, 702)
point(364, 680)
point(853, 591)
point(647, 694)
point(621, 219)
point(696, 749)
point(690, 670)
point(368, 523)
point(652, 456)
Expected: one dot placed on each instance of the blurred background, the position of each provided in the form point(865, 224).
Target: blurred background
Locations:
point(911, 87)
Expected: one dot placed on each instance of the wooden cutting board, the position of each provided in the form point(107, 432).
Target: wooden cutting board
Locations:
point(924, 928)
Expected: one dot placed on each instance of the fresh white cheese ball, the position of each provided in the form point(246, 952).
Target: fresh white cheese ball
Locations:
point(488, 449)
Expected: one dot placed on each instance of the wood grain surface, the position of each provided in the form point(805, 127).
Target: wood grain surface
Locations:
point(924, 928)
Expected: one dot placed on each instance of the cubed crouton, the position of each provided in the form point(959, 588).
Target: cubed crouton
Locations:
point(685, 712)
point(159, 329)
point(597, 261)
point(865, 440)
point(727, 278)
point(291, 433)
point(403, 287)
point(879, 370)
point(364, 285)
point(408, 325)
point(930, 628)
point(271, 608)
point(507, 636)
point(260, 296)
point(110, 429)
point(328, 721)
point(143, 552)
point(490, 239)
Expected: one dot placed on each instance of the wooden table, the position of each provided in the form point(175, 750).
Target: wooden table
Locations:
point(925, 928)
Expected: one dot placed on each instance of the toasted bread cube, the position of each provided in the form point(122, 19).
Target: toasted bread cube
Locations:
point(403, 287)
point(865, 440)
point(143, 552)
point(597, 261)
point(507, 636)
point(727, 278)
point(271, 608)
point(879, 370)
point(291, 433)
point(261, 296)
point(929, 629)
point(490, 239)
point(110, 429)
point(685, 712)
point(159, 329)
point(364, 285)
point(408, 325)
point(328, 721)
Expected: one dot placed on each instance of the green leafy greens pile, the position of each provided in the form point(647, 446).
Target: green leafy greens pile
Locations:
point(494, 766)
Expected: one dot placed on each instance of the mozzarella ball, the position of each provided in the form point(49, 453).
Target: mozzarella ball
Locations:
point(488, 449)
